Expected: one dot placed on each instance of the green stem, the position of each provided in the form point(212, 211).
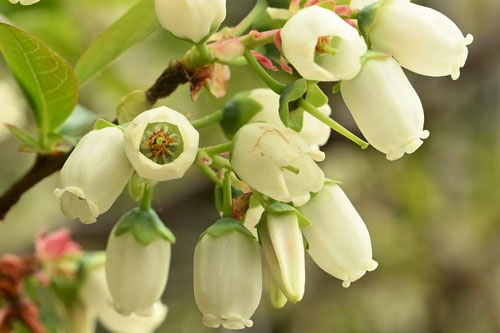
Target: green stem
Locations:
point(276, 86)
point(205, 52)
point(227, 199)
point(220, 162)
point(311, 109)
point(213, 118)
point(211, 174)
point(246, 23)
point(147, 197)
point(238, 62)
point(217, 149)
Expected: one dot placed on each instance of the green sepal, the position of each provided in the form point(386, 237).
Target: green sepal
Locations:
point(290, 114)
point(368, 17)
point(226, 225)
point(336, 88)
point(306, 242)
point(315, 95)
point(102, 123)
point(131, 106)
point(278, 208)
point(238, 112)
point(145, 225)
point(369, 55)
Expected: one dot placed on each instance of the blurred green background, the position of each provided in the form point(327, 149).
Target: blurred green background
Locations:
point(434, 216)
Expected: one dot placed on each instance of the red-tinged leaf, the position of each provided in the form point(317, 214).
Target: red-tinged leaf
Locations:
point(351, 23)
point(278, 42)
point(218, 82)
point(227, 49)
point(284, 65)
point(198, 80)
point(265, 61)
point(310, 3)
point(240, 205)
point(343, 10)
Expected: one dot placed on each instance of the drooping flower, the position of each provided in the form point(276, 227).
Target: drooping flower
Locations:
point(161, 144)
point(227, 275)
point(339, 241)
point(277, 162)
point(386, 107)
point(194, 20)
point(137, 262)
point(94, 175)
point(322, 46)
point(421, 39)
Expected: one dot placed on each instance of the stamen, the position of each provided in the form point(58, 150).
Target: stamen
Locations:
point(161, 142)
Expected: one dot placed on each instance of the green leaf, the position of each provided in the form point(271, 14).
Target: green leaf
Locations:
point(226, 225)
point(315, 95)
point(46, 78)
point(28, 139)
point(238, 112)
point(134, 26)
point(145, 225)
point(103, 123)
point(290, 113)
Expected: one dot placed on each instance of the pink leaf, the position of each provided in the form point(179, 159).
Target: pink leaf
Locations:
point(284, 65)
point(264, 61)
point(56, 245)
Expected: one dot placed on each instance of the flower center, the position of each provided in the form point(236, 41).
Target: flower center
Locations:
point(161, 142)
point(326, 44)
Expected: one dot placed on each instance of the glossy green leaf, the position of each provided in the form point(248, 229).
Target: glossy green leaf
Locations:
point(290, 113)
point(28, 139)
point(134, 26)
point(46, 78)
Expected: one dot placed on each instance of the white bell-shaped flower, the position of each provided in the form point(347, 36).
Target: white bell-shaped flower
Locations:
point(194, 20)
point(94, 175)
point(95, 294)
point(137, 262)
point(283, 247)
point(161, 144)
point(339, 242)
point(322, 46)
point(385, 107)
point(421, 39)
point(227, 275)
point(277, 162)
point(314, 132)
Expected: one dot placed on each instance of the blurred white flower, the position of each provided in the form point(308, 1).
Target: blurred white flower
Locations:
point(421, 39)
point(277, 162)
point(193, 20)
point(24, 2)
point(161, 144)
point(13, 109)
point(227, 278)
point(322, 46)
point(94, 175)
point(361, 3)
point(339, 242)
point(385, 107)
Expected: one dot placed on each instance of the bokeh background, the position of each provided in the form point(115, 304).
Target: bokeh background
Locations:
point(434, 216)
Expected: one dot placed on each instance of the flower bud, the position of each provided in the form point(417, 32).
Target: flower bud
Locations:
point(227, 275)
point(137, 262)
point(339, 242)
point(421, 39)
point(94, 175)
point(277, 162)
point(322, 46)
point(283, 246)
point(385, 107)
point(194, 20)
point(161, 144)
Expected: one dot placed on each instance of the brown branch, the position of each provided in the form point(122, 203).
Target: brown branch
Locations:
point(44, 166)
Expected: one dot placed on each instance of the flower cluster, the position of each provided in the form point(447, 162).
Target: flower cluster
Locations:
point(274, 199)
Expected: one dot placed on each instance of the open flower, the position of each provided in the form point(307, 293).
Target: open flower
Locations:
point(277, 162)
point(161, 144)
point(193, 20)
point(322, 46)
point(227, 275)
point(385, 107)
point(339, 242)
point(94, 175)
point(137, 262)
point(421, 39)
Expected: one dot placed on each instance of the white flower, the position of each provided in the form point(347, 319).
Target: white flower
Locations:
point(94, 175)
point(386, 108)
point(252, 215)
point(314, 132)
point(95, 294)
point(322, 46)
point(24, 2)
point(137, 271)
point(339, 242)
point(227, 277)
point(13, 112)
point(191, 19)
point(421, 39)
point(277, 162)
point(161, 144)
point(283, 247)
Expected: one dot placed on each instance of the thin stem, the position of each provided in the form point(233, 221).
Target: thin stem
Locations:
point(238, 62)
point(212, 118)
point(276, 86)
point(147, 197)
point(207, 170)
point(246, 23)
point(311, 109)
point(227, 199)
point(217, 149)
point(205, 52)
point(220, 162)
